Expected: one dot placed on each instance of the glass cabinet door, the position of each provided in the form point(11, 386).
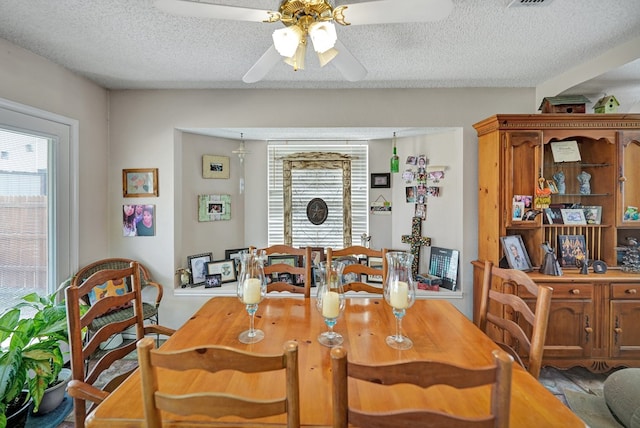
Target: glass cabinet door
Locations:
point(629, 179)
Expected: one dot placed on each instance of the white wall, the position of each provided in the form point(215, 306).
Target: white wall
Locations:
point(31, 80)
point(143, 134)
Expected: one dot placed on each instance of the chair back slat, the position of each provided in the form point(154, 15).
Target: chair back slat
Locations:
point(423, 374)
point(521, 330)
point(361, 269)
point(304, 269)
point(211, 403)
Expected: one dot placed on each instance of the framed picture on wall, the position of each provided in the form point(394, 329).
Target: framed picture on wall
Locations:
point(215, 166)
point(140, 182)
point(381, 180)
point(214, 207)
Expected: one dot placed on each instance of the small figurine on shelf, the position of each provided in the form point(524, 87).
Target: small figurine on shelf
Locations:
point(184, 276)
point(585, 186)
point(550, 265)
point(559, 178)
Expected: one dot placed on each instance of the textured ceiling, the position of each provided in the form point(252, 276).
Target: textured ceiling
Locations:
point(125, 44)
point(131, 44)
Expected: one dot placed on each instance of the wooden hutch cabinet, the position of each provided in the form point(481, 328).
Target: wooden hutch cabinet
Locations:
point(595, 317)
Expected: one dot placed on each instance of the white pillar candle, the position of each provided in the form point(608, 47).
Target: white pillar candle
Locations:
point(399, 295)
point(251, 291)
point(331, 305)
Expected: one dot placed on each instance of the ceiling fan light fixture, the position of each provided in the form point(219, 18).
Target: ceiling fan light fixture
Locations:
point(297, 60)
point(286, 40)
point(326, 56)
point(323, 35)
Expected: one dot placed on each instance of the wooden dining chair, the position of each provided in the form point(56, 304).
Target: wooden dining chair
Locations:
point(423, 374)
point(110, 290)
point(361, 269)
point(216, 404)
point(509, 320)
point(298, 271)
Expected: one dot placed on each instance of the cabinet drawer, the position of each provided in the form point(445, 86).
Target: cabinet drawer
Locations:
point(563, 291)
point(625, 291)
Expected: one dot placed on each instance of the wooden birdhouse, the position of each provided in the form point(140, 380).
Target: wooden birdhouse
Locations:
point(606, 104)
point(566, 104)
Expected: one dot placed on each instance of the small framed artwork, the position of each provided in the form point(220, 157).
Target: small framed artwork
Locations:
point(287, 260)
point(593, 214)
point(226, 268)
point(215, 166)
point(198, 267)
point(573, 216)
point(516, 253)
point(317, 255)
point(235, 255)
point(374, 262)
point(141, 182)
point(552, 186)
point(213, 280)
point(382, 180)
point(421, 211)
point(214, 207)
point(570, 249)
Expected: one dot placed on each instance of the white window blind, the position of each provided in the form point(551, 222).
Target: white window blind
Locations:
point(326, 184)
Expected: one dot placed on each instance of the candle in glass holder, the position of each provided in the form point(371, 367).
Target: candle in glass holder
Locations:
point(251, 291)
point(331, 305)
point(399, 295)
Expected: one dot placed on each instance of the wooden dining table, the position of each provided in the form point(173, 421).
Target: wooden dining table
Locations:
point(438, 331)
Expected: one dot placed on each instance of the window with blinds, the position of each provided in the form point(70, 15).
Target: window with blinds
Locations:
point(325, 184)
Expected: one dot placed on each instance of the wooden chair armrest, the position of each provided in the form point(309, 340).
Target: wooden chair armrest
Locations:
point(159, 290)
point(84, 391)
point(158, 329)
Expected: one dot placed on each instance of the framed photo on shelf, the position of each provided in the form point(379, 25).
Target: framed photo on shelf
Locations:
point(140, 182)
point(213, 280)
point(235, 255)
point(215, 166)
point(381, 180)
point(198, 267)
point(516, 253)
point(573, 216)
point(554, 215)
point(570, 249)
point(593, 214)
point(374, 262)
point(226, 268)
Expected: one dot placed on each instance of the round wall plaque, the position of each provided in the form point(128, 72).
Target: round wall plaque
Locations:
point(317, 211)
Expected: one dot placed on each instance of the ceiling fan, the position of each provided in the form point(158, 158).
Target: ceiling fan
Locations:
point(314, 20)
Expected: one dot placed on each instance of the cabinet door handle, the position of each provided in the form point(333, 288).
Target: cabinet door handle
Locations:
point(575, 291)
point(588, 330)
point(617, 330)
point(622, 179)
point(631, 291)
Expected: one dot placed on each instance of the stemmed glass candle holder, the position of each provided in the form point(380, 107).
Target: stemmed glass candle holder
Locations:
point(399, 293)
point(330, 301)
point(252, 288)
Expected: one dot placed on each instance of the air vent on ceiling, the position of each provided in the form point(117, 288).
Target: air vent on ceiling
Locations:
point(518, 3)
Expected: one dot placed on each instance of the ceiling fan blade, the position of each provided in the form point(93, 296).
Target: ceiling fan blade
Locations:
point(262, 66)
point(347, 64)
point(397, 11)
point(209, 10)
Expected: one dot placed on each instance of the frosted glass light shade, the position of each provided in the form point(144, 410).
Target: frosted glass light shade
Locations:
point(286, 40)
point(323, 35)
point(326, 56)
point(297, 60)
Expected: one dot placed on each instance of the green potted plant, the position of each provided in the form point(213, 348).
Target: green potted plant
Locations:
point(30, 354)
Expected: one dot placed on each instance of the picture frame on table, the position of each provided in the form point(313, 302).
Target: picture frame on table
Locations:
point(198, 267)
point(235, 254)
point(516, 253)
point(570, 249)
point(317, 255)
point(226, 268)
point(381, 180)
point(140, 183)
point(282, 259)
point(573, 216)
point(593, 214)
point(215, 166)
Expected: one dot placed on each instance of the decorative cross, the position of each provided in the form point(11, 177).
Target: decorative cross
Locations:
point(416, 241)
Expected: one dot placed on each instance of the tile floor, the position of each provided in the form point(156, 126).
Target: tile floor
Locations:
point(556, 381)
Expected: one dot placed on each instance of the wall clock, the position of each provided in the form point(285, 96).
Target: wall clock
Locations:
point(317, 211)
